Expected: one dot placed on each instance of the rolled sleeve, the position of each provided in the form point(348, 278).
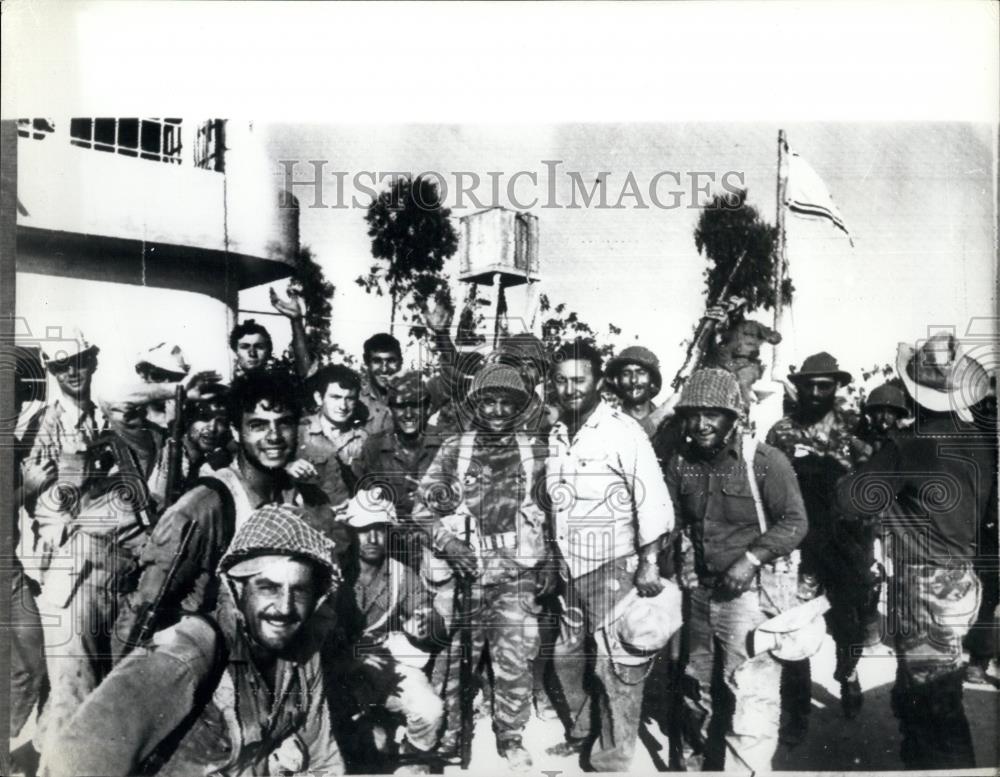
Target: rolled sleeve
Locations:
point(655, 510)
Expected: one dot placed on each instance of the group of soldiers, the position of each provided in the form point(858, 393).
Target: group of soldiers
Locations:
point(285, 574)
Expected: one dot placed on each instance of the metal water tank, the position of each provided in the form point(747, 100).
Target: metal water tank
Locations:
point(498, 240)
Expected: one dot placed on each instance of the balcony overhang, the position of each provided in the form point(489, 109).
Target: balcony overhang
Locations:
point(219, 273)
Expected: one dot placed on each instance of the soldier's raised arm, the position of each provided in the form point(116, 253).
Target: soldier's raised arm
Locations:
point(138, 705)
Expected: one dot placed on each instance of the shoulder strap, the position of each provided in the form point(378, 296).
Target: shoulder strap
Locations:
point(202, 696)
point(395, 581)
point(221, 488)
point(527, 463)
point(749, 445)
point(465, 443)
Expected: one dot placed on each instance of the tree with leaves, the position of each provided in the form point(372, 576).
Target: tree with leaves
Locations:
point(559, 325)
point(726, 229)
point(412, 236)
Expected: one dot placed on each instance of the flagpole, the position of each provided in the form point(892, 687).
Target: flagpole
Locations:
point(781, 260)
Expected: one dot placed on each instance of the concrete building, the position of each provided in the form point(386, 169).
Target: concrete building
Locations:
point(138, 231)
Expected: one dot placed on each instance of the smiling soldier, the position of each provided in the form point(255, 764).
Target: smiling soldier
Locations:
point(483, 478)
point(383, 359)
point(612, 512)
point(709, 478)
point(635, 376)
point(264, 414)
point(332, 438)
point(236, 692)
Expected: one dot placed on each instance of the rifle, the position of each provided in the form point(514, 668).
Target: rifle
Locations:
point(463, 593)
point(704, 331)
point(175, 452)
point(145, 622)
point(129, 477)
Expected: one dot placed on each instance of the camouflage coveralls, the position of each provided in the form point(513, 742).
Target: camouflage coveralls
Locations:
point(496, 490)
point(839, 552)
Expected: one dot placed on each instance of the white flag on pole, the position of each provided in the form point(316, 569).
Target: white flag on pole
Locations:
point(806, 195)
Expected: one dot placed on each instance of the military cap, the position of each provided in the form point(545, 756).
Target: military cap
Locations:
point(60, 349)
point(641, 626)
point(523, 345)
point(887, 395)
point(166, 357)
point(796, 633)
point(711, 387)
point(821, 365)
point(636, 354)
point(501, 378)
point(369, 508)
point(278, 530)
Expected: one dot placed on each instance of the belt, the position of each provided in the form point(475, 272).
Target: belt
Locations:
point(507, 539)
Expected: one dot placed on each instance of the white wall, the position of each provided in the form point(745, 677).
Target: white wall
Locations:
point(124, 319)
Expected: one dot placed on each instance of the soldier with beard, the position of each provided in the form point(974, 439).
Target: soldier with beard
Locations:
point(264, 415)
point(709, 479)
point(634, 375)
point(820, 441)
point(236, 691)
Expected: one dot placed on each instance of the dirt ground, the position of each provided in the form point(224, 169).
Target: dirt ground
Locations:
point(869, 742)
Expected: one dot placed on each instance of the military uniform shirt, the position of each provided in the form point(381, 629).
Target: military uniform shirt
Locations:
point(717, 505)
point(151, 692)
point(606, 490)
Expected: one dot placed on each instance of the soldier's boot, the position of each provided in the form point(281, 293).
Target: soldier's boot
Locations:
point(975, 671)
point(570, 746)
point(408, 750)
point(544, 710)
point(512, 749)
point(933, 723)
point(851, 698)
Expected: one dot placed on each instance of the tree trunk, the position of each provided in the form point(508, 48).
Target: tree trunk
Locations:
point(392, 315)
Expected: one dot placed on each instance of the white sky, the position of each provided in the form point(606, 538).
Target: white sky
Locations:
point(893, 103)
point(918, 199)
